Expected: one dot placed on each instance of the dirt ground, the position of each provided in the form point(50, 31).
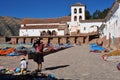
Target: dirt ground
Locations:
point(75, 63)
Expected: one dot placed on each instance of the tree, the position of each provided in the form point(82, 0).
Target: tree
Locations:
point(87, 15)
point(100, 14)
point(97, 14)
point(105, 12)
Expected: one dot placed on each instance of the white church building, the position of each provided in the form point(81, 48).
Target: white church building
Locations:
point(67, 25)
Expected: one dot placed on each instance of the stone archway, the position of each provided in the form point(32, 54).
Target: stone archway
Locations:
point(95, 26)
point(43, 33)
point(49, 32)
point(54, 33)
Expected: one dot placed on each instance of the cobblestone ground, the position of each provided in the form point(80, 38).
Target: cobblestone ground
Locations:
point(75, 63)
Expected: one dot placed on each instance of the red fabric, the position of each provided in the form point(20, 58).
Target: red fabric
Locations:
point(103, 57)
point(118, 66)
point(40, 48)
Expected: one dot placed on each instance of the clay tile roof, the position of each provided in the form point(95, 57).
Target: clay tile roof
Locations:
point(78, 4)
point(61, 28)
point(92, 20)
point(40, 27)
point(45, 20)
point(35, 20)
point(118, 1)
point(112, 9)
point(65, 19)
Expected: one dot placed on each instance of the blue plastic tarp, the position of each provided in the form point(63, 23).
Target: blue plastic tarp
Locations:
point(13, 54)
point(95, 47)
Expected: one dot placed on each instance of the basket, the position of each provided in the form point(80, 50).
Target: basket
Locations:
point(31, 55)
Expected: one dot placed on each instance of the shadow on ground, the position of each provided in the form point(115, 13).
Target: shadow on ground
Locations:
point(56, 67)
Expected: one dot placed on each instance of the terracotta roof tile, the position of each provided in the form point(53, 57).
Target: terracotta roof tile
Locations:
point(93, 20)
point(45, 20)
point(78, 4)
point(61, 28)
point(40, 27)
point(112, 9)
point(118, 1)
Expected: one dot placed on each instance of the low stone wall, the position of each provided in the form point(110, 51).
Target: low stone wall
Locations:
point(51, 39)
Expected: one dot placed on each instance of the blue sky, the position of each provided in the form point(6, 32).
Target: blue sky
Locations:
point(47, 8)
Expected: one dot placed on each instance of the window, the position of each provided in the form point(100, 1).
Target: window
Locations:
point(78, 31)
point(75, 18)
point(75, 10)
point(80, 18)
point(116, 22)
point(67, 26)
point(80, 10)
point(84, 28)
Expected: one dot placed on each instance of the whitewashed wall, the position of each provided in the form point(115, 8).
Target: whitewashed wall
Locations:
point(112, 28)
point(86, 27)
point(37, 32)
point(60, 32)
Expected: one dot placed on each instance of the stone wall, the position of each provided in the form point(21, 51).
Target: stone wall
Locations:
point(53, 40)
point(113, 44)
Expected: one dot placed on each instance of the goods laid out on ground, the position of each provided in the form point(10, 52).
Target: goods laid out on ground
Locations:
point(113, 55)
point(15, 73)
point(97, 48)
point(21, 50)
point(49, 49)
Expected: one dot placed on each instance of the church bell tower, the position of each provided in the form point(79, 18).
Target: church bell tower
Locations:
point(77, 12)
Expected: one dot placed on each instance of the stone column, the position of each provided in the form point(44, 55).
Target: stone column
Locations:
point(72, 40)
point(2, 40)
point(63, 40)
point(27, 40)
point(79, 40)
point(14, 40)
point(45, 40)
point(54, 40)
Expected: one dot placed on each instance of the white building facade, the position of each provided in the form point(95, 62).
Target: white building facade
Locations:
point(40, 27)
point(112, 27)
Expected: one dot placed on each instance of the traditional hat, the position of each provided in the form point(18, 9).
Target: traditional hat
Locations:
point(22, 58)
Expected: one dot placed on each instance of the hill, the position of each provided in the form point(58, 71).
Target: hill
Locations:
point(9, 26)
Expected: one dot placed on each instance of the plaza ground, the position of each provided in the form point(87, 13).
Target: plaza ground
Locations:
point(75, 63)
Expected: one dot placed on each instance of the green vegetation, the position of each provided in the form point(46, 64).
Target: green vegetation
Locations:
point(97, 14)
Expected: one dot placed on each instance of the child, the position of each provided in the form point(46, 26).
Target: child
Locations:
point(23, 65)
